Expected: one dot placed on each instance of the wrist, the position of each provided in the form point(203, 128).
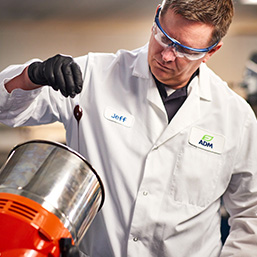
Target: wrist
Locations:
point(21, 81)
point(27, 83)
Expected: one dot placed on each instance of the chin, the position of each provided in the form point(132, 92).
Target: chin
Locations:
point(162, 75)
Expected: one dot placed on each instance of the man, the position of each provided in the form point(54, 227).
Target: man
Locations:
point(167, 136)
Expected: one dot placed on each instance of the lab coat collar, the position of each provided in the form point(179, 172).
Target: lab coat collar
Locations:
point(141, 69)
point(204, 83)
point(188, 114)
point(198, 90)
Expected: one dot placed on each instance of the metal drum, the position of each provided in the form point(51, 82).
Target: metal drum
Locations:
point(59, 179)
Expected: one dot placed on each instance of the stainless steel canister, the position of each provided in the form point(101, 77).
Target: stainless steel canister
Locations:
point(59, 179)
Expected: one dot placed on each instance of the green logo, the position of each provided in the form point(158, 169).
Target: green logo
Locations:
point(207, 138)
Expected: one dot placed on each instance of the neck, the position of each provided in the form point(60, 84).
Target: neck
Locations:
point(181, 84)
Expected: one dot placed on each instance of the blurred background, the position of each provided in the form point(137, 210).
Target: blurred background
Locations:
point(31, 28)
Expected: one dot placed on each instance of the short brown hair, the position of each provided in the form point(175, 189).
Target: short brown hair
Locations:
point(217, 13)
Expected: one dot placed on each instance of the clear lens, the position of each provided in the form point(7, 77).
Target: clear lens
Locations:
point(179, 50)
point(160, 37)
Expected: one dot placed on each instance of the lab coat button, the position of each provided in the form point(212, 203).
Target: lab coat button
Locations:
point(135, 239)
point(145, 193)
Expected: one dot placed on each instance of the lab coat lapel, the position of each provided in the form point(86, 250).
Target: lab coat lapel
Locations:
point(141, 70)
point(190, 111)
point(154, 98)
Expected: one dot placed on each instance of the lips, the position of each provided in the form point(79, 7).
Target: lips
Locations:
point(163, 66)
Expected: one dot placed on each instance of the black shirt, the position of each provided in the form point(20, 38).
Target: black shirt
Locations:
point(175, 100)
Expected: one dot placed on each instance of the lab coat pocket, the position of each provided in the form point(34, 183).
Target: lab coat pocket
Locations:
point(195, 176)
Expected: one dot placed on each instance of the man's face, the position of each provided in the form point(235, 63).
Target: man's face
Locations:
point(165, 66)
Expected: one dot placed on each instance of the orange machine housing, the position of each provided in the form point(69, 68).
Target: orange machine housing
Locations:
point(27, 229)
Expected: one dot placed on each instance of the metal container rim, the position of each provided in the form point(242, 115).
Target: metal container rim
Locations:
point(57, 144)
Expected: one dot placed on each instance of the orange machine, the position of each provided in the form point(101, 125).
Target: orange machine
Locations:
point(27, 229)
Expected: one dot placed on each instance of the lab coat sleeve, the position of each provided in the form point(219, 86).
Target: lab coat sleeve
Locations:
point(30, 107)
point(14, 106)
point(240, 198)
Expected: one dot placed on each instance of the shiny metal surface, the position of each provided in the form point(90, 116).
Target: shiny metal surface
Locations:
point(59, 179)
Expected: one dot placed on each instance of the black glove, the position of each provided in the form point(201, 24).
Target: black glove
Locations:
point(67, 249)
point(60, 72)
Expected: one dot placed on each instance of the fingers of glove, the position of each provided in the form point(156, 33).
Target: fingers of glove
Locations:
point(73, 77)
point(54, 72)
point(63, 74)
point(69, 81)
point(52, 67)
point(77, 77)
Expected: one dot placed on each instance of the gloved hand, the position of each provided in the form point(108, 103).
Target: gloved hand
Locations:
point(67, 249)
point(60, 72)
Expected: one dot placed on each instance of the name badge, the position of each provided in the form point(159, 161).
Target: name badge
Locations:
point(120, 117)
point(207, 140)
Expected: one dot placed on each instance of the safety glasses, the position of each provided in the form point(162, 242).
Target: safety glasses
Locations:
point(179, 50)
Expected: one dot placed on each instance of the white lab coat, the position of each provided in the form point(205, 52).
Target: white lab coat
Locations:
point(163, 183)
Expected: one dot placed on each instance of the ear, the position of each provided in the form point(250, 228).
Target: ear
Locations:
point(214, 50)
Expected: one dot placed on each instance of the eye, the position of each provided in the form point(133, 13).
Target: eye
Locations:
point(165, 40)
point(185, 51)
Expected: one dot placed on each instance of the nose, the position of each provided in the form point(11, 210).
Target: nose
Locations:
point(169, 54)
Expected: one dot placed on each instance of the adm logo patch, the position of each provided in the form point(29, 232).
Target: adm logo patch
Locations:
point(206, 140)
